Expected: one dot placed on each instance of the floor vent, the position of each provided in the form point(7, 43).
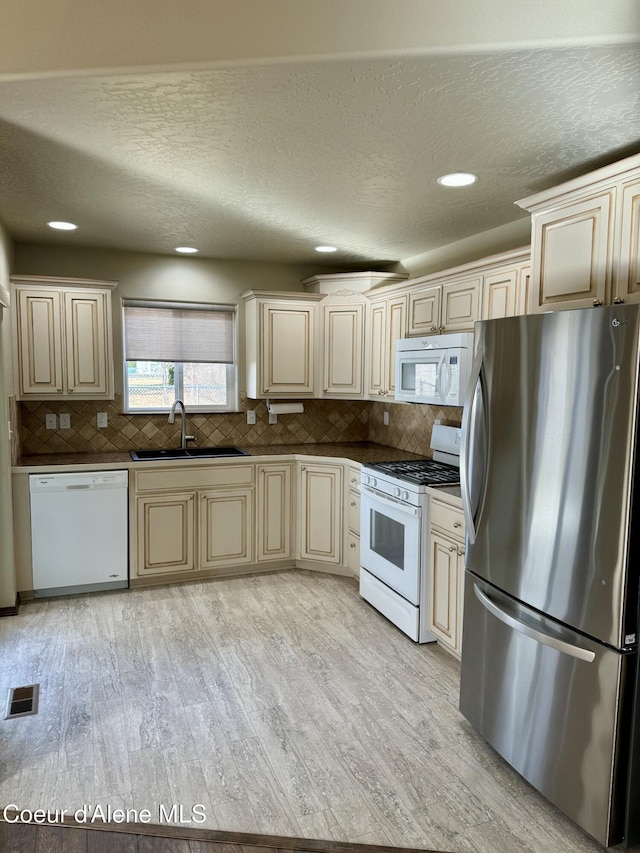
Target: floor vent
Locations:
point(23, 701)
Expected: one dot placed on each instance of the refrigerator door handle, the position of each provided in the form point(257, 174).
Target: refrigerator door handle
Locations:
point(539, 636)
point(467, 414)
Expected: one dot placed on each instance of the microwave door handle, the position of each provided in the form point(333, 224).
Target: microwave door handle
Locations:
point(441, 389)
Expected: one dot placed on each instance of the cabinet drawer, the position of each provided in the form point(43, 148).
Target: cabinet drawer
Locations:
point(194, 477)
point(353, 511)
point(447, 518)
point(354, 476)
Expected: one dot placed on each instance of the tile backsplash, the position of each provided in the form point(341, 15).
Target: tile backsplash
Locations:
point(322, 421)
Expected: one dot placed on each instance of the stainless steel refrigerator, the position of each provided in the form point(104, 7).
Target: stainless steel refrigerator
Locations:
point(552, 504)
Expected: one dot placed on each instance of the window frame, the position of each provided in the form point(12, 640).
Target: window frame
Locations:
point(232, 404)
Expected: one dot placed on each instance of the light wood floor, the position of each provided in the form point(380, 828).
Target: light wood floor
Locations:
point(282, 703)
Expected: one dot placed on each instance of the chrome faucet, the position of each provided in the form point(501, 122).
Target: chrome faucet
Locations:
point(184, 438)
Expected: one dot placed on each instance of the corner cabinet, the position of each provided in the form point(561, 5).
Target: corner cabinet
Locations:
point(585, 239)
point(281, 344)
point(63, 334)
point(321, 513)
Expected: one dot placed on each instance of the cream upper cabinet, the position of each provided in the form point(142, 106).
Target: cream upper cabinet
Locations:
point(446, 572)
point(63, 338)
point(627, 279)
point(585, 238)
point(387, 323)
point(500, 295)
point(274, 512)
point(281, 344)
point(321, 512)
point(461, 301)
point(343, 349)
point(424, 310)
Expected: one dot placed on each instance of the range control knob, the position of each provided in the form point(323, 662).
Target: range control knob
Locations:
point(365, 479)
point(405, 496)
point(373, 482)
point(397, 492)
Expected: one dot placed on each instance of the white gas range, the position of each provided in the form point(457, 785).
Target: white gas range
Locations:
point(394, 526)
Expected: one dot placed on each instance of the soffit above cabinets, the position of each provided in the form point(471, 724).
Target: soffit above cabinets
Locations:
point(265, 162)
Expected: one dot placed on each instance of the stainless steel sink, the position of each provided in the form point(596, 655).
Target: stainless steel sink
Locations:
point(188, 453)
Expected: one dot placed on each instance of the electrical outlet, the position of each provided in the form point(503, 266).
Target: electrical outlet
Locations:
point(251, 417)
point(65, 421)
point(102, 420)
point(273, 418)
point(51, 421)
point(385, 418)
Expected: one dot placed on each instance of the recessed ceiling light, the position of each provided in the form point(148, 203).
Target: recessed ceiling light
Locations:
point(326, 249)
point(186, 250)
point(62, 226)
point(457, 179)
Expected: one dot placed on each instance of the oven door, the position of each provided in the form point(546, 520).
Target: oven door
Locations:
point(390, 542)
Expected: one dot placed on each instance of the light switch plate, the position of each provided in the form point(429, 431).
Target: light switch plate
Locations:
point(65, 421)
point(385, 418)
point(102, 420)
point(251, 417)
point(273, 418)
point(51, 421)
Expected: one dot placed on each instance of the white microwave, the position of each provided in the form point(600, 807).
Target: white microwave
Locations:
point(434, 369)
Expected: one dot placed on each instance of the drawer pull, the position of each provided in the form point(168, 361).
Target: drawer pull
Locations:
point(352, 545)
point(457, 523)
point(353, 503)
point(452, 547)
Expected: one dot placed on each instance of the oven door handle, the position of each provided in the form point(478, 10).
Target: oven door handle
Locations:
point(383, 499)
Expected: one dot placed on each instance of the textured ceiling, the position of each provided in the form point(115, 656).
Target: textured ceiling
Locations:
point(266, 162)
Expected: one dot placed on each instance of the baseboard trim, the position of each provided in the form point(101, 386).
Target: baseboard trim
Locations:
point(11, 611)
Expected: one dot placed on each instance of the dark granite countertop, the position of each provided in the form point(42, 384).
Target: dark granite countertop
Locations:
point(357, 451)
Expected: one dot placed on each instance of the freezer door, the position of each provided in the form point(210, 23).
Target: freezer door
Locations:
point(549, 432)
point(553, 703)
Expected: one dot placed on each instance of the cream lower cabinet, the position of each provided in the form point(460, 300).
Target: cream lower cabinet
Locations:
point(320, 531)
point(446, 574)
point(63, 338)
point(352, 539)
point(274, 512)
point(166, 533)
point(193, 518)
point(226, 528)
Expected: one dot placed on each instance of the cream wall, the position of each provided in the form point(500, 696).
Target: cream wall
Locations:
point(150, 276)
point(7, 561)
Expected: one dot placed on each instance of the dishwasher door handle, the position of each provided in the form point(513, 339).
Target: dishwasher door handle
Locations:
point(76, 488)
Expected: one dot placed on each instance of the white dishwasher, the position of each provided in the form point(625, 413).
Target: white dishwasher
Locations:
point(79, 532)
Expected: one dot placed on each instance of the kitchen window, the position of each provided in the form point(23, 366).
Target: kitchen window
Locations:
point(179, 351)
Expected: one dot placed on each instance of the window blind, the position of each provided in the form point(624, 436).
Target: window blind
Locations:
point(178, 332)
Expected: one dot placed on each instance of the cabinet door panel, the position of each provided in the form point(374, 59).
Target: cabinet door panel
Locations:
point(226, 528)
point(572, 255)
point(378, 322)
point(274, 512)
point(165, 533)
point(343, 349)
point(39, 342)
point(397, 328)
point(523, 299)
point(288, 349)
point(424, 311)
point(87, 345)
point(443, 589)
point(321, 521)
point(461, 305)
point(627, 285)
point(500, 294)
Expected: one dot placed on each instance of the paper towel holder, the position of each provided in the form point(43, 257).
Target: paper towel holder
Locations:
point(284, 408)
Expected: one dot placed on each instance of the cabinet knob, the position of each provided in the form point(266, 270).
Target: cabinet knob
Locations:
point(303, 468)
point(456, 524)
point(434, 328)
point(353, 503)
point(460, 552)
point(452, 547)
point(380, 393)
point(618, 301)
point(59, 390)
point(441, 329)
point(352, 545)
point(69, 390)
point(597, 303)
